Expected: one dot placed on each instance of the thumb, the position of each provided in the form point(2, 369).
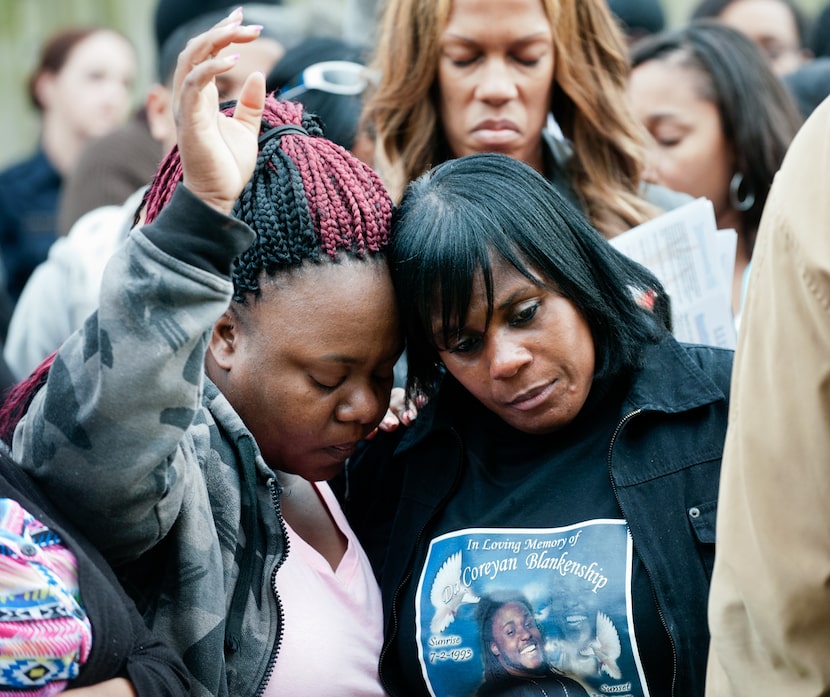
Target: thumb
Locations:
point(251, 102)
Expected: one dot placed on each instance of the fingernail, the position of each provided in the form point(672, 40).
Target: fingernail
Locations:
point(237, 14)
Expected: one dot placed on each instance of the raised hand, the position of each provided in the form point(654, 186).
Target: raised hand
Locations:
point(218, 152)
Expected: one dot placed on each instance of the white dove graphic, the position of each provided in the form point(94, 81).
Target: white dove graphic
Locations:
point(606, 647)
point(448, 594)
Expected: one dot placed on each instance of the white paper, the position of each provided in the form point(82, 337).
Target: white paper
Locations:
point(694, 261)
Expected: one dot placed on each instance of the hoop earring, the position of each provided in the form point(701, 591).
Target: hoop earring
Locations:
point(740, 202)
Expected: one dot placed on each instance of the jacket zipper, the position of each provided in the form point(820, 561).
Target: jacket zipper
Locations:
point(387, 645)
point(272, 661)
point(619, 428)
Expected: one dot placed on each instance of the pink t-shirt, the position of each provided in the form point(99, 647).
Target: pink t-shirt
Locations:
point(333, 620)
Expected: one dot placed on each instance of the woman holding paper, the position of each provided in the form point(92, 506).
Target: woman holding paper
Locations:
point(569, 451)
point(721, 122)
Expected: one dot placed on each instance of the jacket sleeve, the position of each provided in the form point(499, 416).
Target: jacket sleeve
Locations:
point(153, 668)
point(769, 607)
point(130, 649)
point(107, 437)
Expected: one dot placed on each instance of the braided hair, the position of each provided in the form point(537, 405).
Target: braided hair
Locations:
point(308, 200)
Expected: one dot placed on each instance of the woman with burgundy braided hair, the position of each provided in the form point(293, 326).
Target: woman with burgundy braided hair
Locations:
point(243, 346)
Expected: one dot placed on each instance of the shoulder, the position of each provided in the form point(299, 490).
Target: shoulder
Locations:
point(797, 204)
point(33, 170)
point(14, 170)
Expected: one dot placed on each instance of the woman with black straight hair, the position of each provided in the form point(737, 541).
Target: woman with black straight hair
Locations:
point(569, 451)
point(470, 217)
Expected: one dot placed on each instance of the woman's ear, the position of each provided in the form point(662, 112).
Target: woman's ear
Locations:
point(44, 90)
point(222, 344)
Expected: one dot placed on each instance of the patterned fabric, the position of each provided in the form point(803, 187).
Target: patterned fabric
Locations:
point(45, 635)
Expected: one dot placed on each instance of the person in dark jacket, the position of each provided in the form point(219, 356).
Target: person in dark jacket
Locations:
point(123, 658)
point(569, 450)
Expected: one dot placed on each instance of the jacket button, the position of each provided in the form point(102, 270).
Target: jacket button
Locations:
point(28, 549)
point(694, 512)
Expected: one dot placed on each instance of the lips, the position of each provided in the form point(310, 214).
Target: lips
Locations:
point(528, 649)
point(496, 125)
point(341, 452)
point(495, 132)
point(575, 619)
point(532, 398)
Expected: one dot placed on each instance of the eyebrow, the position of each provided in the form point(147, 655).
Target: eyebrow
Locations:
point(338, 358)
point(351, 360)
point(510, 299)
point(530, 38)
point(659, 117)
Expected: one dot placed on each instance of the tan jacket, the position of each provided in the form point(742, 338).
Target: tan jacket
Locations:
point(769, 607)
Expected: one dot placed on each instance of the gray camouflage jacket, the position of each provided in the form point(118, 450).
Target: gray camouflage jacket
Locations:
point(137, 446)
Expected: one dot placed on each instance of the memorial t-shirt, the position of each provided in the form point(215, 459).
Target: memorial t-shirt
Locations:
point(536, 516)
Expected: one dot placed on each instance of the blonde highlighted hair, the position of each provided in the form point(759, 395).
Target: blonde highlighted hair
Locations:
point(589, 103)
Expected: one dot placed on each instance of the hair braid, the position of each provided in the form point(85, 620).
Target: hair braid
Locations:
point(168, 175)
point(308, 196)
point(20, 396)
point(308, 199)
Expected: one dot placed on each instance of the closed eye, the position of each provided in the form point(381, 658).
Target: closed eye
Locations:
point(384, 378)
point(327, 385)
point(527, 62)
point(463, 62)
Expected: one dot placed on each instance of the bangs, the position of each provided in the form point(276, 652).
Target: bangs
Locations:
point(458, 254)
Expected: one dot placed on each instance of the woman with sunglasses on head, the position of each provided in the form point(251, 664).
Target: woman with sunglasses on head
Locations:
point(464, 76)
point(570, 449)
point(243, 346)
point(327, 75)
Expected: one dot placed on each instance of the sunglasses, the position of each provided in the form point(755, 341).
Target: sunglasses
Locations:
point(334, 77)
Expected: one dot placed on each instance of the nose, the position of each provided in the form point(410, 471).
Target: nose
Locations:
point(363, 405)
point(496, 83)
point(507, 357)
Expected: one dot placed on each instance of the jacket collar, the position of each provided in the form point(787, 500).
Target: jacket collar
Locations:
point(671, 380)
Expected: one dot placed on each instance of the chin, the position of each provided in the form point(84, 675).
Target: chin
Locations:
point(537, 428)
